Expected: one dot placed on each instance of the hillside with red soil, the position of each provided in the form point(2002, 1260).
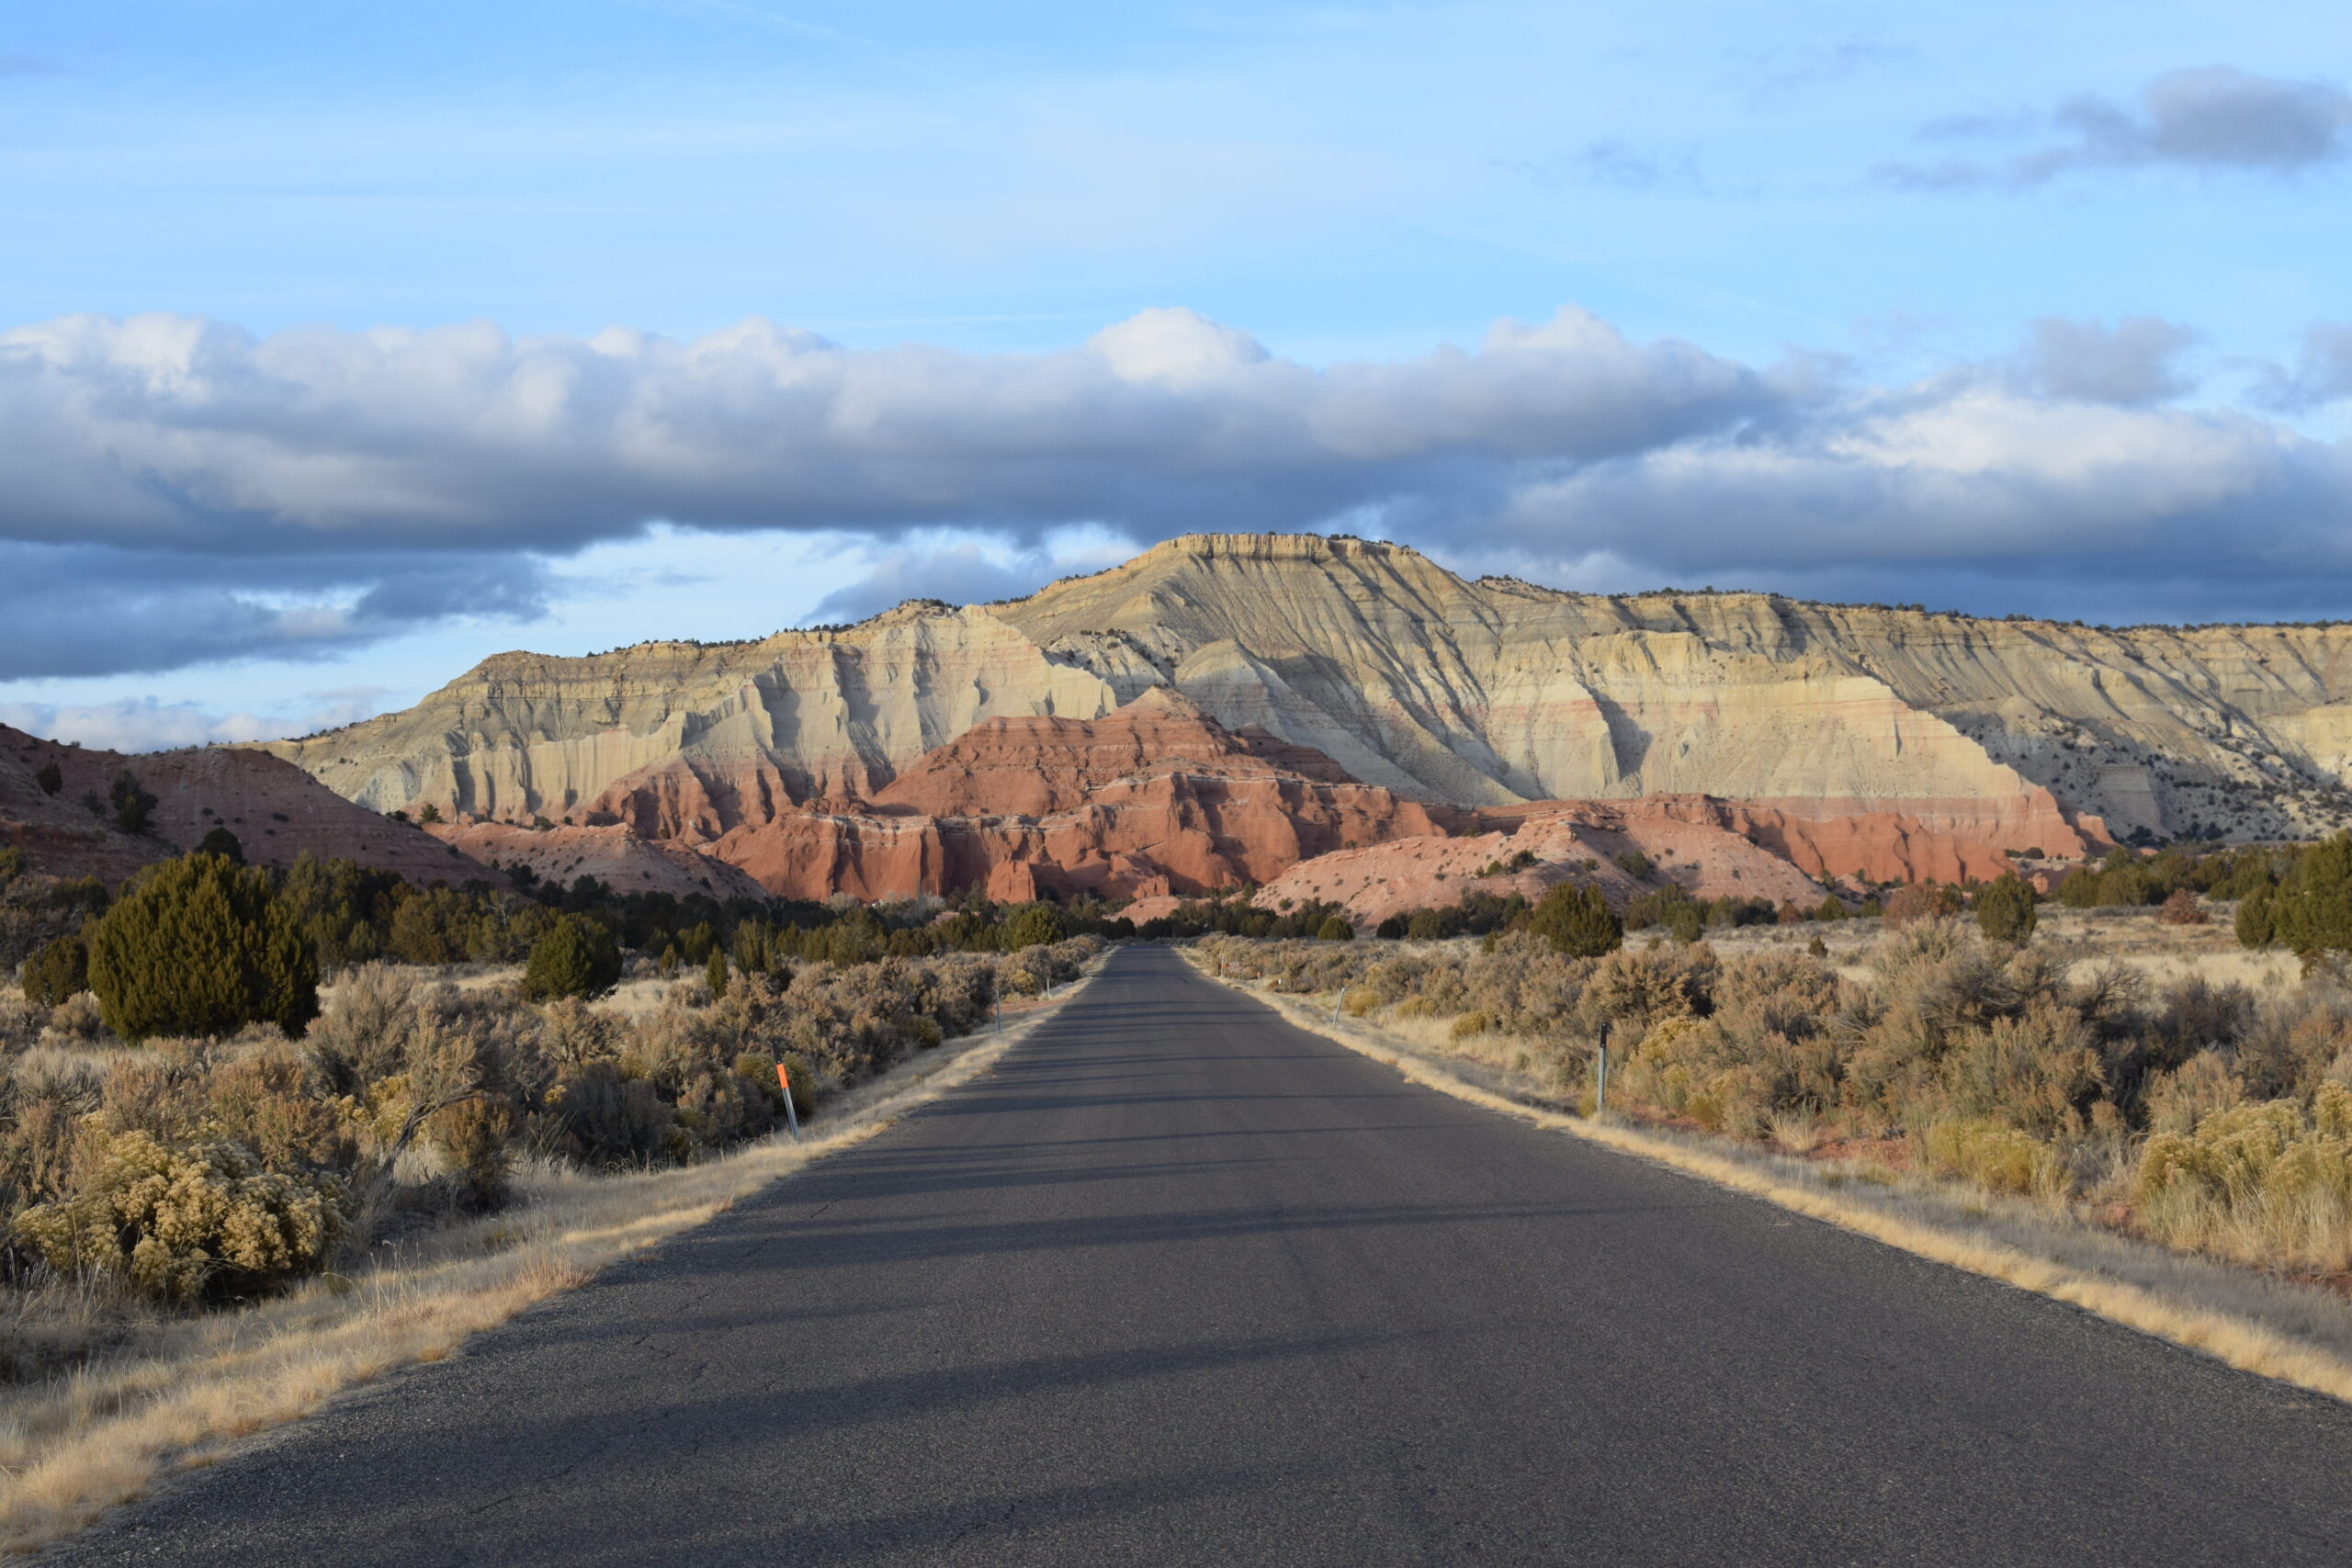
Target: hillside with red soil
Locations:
point(616, 855)
point(276, 811)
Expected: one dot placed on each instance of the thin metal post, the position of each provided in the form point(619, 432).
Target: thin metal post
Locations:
point(791, 1117)
point(1601, 1074)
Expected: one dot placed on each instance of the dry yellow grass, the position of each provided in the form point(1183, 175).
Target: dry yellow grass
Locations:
point(74, 1446)
point(2245, 1320)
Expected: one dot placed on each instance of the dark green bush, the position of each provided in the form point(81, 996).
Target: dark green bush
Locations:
point(1577, 920)
point(1336, 928)
point(577, 957)
point(131, 805)
point(223, 842)
point(2005, 908)
point(197, 946)
point(1033, 925)
point(58, 971)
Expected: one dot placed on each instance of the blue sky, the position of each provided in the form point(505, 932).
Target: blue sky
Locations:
point(306, 315)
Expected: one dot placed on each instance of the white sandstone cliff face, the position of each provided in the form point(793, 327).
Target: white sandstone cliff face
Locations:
point(1485, 692)
point(826, 713)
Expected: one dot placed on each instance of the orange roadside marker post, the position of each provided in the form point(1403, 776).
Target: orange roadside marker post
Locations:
point(791, 1117)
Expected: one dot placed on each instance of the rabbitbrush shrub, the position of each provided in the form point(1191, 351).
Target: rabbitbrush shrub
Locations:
point(2263, 1183)
point(179, 1224)
point(2003, 1158)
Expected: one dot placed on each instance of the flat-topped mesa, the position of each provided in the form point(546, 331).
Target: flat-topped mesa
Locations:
point(1405, 676)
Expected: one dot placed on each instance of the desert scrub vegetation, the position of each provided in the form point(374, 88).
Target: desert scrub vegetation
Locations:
point(176, 1385)
point(192, 1173)
point(2215, 1118)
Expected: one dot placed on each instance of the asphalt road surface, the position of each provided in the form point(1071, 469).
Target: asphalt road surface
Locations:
point(1178, 1283)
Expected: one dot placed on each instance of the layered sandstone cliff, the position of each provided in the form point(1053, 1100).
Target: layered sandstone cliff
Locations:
point(1154, 797)
point(2014, 734)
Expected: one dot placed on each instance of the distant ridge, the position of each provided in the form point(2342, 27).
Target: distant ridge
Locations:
point(1442, 690)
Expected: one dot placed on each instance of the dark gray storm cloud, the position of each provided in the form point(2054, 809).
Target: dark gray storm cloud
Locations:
point(2212, 117)
point(68, 610)
point(175, 492)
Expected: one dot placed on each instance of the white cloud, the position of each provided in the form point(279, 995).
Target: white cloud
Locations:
point(176, 492)
point(148, 724)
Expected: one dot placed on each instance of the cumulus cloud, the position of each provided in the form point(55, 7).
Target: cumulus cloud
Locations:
point(2322, 374)
point(2212, 117)
point(166, 432)
point(177, 491)
point(2136, 361)
point(2040, 504)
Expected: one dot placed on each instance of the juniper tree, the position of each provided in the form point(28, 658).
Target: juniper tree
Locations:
point(58, 971)
point(1031, 926)
point(1577, 920)
point(576, 957)
point(2005, 908)
point(200, 946)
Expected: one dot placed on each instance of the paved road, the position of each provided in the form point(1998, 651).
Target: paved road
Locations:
point(1178, 1283)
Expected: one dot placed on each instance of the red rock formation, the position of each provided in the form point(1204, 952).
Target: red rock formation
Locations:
point(1152, 799)
point(275, 809)
point(1157, 798)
